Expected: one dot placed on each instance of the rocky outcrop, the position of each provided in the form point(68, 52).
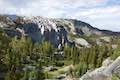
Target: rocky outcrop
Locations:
point(103, 73)
point(81, 42)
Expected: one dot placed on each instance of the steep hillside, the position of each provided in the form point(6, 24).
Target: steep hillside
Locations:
point(57, 31)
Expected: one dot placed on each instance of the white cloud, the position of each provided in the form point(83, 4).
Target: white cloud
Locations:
point(44, 6)
point(100, 12)
point(92, 11)
point(103, 18)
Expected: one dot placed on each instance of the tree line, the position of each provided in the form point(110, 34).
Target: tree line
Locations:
point(23, 59)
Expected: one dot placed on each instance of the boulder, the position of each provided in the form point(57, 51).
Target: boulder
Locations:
point(103, 73)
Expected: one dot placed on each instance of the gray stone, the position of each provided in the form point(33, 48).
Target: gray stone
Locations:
point(102, 73)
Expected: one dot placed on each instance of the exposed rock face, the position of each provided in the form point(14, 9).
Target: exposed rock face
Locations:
point(82, 42)
point(57, 31)
point(106, 38)
point(107, 62)
point(104, 72)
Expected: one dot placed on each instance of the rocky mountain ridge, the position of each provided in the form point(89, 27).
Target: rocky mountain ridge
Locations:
point(57, 31)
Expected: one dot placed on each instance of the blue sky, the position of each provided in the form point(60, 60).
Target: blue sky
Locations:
point(103, 14)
